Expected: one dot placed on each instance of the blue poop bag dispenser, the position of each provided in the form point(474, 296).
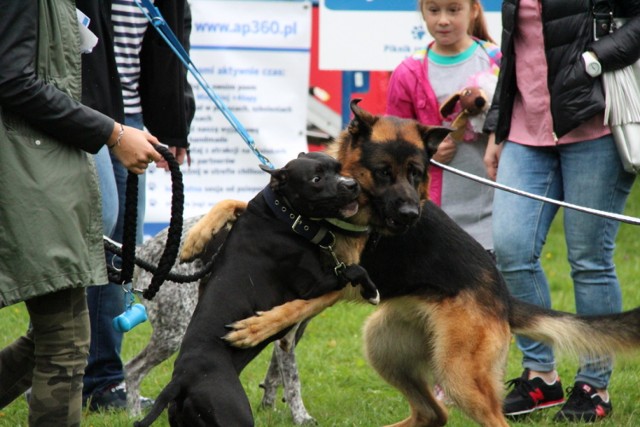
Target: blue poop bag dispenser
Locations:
point(133, 315)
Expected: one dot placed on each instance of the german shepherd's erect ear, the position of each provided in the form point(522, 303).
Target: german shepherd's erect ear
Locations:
point(432, 136)
point(361, 126)
point(362, 123)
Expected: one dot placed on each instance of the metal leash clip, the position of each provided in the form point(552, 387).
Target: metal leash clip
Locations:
point(340, 266)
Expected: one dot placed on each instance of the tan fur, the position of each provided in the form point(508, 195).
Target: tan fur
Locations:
point(571, 335)
point(224, 213)
point(251, 331)
point(434, 341)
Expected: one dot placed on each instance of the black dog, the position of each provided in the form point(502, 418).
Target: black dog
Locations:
point(265, 261)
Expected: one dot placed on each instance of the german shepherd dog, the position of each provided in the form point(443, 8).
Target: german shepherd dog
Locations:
point(446, 313)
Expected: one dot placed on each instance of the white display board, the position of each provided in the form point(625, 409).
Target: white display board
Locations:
point(255, 56)
point(376, 35)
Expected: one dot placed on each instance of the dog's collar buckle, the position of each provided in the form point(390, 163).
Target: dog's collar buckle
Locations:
point(304, 229)
point(296, 222)
point(315, 231)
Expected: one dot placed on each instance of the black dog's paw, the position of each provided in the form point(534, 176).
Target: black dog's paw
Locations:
point(371, 295)
point(357, 275)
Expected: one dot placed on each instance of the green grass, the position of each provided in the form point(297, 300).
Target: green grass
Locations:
point(339, 388)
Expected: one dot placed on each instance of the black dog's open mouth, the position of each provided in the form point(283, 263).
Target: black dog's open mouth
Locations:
point(349, 210)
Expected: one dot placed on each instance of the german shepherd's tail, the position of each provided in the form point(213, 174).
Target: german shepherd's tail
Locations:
point(583, 335)
point(168, 394)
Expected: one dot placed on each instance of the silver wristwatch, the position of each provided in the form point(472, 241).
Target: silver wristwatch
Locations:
point(591, 64)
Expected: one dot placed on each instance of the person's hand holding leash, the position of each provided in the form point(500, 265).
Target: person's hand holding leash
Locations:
point(180, 153)
point(133, 148)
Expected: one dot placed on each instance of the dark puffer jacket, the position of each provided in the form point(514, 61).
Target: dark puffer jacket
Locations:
point(568, 32)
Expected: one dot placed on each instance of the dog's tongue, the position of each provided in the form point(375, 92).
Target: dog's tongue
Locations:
point(349, 210)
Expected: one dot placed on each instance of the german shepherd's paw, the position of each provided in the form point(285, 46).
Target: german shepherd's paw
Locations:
point(253, 330)
point(221, 215)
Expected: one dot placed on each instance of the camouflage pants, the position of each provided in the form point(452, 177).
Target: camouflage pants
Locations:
point(50, 359)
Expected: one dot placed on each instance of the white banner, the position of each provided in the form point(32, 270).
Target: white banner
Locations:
point(376, 35)
point(255, 57)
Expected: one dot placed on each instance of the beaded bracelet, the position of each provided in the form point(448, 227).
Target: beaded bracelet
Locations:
point(118, 139)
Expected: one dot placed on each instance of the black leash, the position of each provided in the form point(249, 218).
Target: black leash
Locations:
point(127, 252)
point(116, 248)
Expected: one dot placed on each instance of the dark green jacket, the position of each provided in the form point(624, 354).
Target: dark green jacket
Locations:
point(50, 209)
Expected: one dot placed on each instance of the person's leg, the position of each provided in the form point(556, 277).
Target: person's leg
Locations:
point(520, 227)
point(594, 177)
point(16, 368)
point(105, 369)
point(102, 301)
point(61, 332)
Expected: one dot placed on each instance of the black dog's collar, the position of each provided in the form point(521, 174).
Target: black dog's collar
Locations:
point(317, 231)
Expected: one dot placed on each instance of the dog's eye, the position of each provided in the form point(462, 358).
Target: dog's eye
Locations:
point(384, 173)
point(414, 175)
point(316, 179)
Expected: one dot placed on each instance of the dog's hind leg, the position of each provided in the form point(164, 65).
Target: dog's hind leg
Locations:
point(291, 381)
point(283, 370)
point(169, 314)
point(396, 347)
point(469, 356)
point(157, 351)
point(272, 380)
point(168, 394)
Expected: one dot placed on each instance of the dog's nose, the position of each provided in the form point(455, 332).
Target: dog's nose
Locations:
point(350, 184)
point(408, 214)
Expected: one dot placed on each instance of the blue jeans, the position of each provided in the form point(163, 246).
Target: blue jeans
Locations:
point(108, 191)
point(587, 173)
point(105, 365)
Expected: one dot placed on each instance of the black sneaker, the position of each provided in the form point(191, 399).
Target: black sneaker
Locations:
point(113, 397)
point(528, 395)
point(584, 404)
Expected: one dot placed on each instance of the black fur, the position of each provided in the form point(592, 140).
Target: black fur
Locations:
point(427, 260)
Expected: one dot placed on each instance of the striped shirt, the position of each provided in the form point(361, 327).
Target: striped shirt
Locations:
point(129, 26)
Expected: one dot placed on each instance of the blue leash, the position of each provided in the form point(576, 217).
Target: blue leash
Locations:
point(153, 15)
